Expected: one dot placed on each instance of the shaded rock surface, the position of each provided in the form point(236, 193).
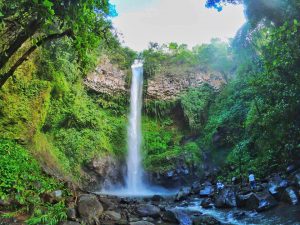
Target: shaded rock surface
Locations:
point(148, 210)
point(89, 208)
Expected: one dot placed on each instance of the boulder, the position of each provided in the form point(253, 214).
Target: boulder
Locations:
point(226, 198)
point(290, 196)
point(205, 220)
point(206, 191)
point(89, 208)
point(206, 203)
point(141, 223)
point(276, 186)
point(195, 188)
point(297, 179)
point(148, 210)
point(169, 216)
point(69, 223)
point(157, 198)
point(182, 194)
point(115, 216)
point(241, 199)
point(71, 214)
point(260, 201)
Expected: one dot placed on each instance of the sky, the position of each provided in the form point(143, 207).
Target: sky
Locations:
point(182, 21)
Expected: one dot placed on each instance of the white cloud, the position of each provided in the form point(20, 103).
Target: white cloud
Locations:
point(182, 21)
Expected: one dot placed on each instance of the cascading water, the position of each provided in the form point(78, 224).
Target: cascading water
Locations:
point(134, 180)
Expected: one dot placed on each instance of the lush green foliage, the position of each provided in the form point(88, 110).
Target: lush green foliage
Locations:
point(23, 182)
point(178, 60)
point(195, 103)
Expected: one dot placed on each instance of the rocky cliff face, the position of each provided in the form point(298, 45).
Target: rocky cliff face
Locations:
point(108, 79)
point(168, 86)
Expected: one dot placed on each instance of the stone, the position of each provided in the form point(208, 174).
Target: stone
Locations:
point(276, 186)
point(241, 199)
point(206, 191)
point(69, 223)
point(115, 216)
point(148, 210)
point(71, 214)
point(290, 196)
point(260, 202)
point(226, 198)
point(205, 220)
point(157, 198)
point(141, 223)
point(89, 208)
point(297, 179)
point(195, 188)
point(206, 203)
point(169, 216)
point(181, 195)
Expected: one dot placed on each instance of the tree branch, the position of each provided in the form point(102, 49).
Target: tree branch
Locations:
point(24, 57)
point(21, 38)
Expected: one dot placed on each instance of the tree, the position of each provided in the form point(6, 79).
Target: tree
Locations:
point(40, 21)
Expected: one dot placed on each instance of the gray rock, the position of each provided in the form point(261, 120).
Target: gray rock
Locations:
point(260, 202)
point(226, 198)
point(69, 223)
point(89, 208)
point(276, 186)
point(115, 216)
point(71, 214)
point(141, 223)
point(297, 179)
point(290, 196)
point(206, 203)
point(169, 216)
point(148, 210)
point(205, 220)
point(181, 195)
point(207, 191)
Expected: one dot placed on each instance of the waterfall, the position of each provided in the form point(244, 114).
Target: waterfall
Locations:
point(134, 180)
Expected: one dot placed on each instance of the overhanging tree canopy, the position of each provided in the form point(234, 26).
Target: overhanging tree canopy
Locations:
point(85, 21)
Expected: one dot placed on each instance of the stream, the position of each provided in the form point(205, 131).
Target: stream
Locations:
point(283, 214)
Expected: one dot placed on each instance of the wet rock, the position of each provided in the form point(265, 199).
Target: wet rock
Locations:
point(206, 203)
point(207, 190)
point(182, 195)
point(297, 179)
point(115, 216)
point(226, 198)
point(169, 216)
point(290, 196)
point(89, 208)
point(157, 198)
point(141, 223)
point(71, 214)
point(205, 220)
point(183, 218)
point(69, 223)
point(239, 215)
point(148, 210)
point(260, 202)
point(241, 199)
point(103, 172)
point(195, 188)
point(276, 186)
point(109, 204)
point(292, 168)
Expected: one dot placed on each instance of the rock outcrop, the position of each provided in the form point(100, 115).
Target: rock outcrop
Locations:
point(168, 86)
point(107, 79)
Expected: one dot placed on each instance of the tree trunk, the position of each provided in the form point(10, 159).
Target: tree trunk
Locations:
point(4, 77)
point(28, 32)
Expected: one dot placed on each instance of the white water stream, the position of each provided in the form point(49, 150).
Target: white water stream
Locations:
point(134, 181)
